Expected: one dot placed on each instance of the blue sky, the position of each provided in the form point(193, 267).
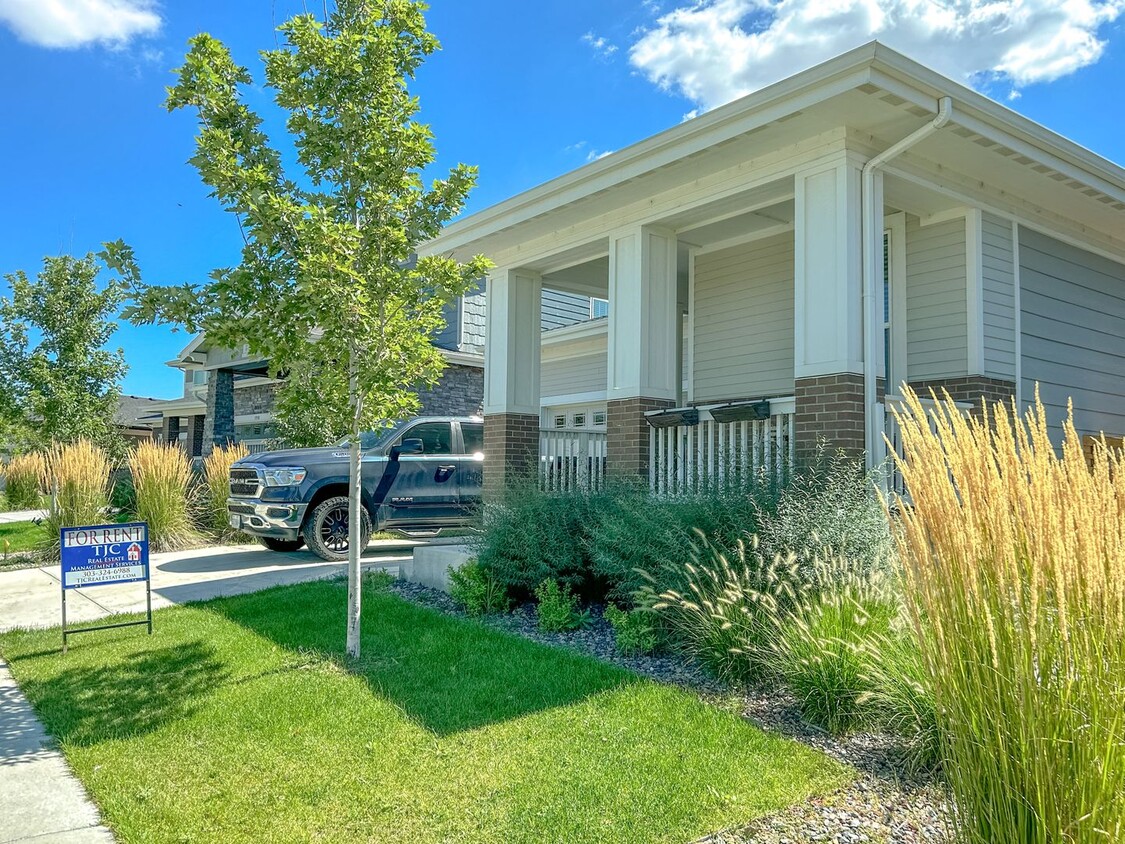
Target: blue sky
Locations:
point(526, 91)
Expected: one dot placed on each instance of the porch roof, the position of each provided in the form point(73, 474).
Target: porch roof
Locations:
point(872, 96)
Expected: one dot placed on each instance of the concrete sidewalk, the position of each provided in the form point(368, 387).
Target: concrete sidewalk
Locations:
point(40, 799)
point(22, 516)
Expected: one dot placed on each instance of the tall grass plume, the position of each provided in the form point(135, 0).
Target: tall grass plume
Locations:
point(21, 481)
point(216, 487)
point(162, 478)
point(76, 477)
point(1014, 558)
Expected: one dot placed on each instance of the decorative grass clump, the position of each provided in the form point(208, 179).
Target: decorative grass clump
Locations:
point(163, 482)
point(21, 481)
point(1014, 563)
point(216, 487)
point(76, 476)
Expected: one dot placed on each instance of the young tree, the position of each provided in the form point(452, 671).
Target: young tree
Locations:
point(327, 286)
point(60, 383)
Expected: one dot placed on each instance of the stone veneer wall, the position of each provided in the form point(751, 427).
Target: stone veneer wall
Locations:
point(259, 398)
point(196, 429)
point(829, 408)
point(511, 450)
point(219, 425)
point(627, 435)
point(460, 392)
point(171, 429)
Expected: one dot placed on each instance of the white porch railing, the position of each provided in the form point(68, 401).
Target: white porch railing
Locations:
point(256, 446)
point(571, 460)
point(894, 482)
point(711, 454)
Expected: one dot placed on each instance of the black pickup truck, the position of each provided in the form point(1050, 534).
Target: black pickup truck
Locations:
point(418, 477)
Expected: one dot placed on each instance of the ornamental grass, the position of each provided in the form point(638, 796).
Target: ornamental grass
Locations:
point(76, 476)
point(21, 481)
point(216, 486)
point(163, 481)
point(1014, 558)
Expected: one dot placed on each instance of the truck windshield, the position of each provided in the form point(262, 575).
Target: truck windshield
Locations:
point(370, 439)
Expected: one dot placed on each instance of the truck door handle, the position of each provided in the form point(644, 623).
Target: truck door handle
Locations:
point(444, 472)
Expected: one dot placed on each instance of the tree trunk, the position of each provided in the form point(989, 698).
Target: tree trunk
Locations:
point(355, 524)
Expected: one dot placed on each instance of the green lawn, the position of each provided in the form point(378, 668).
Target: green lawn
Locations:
point(238, 721)
point(20, 536)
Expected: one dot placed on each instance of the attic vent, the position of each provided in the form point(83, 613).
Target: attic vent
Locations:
point(1108, 200)
point(1042, 168)
point(961, 131)
point(1004, 151)
point(1092, 192)
point(918, 111)
point(868, 88)
point(1120, 206)
point(893, 99)
point(984, 142)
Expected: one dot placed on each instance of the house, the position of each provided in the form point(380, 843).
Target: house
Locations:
point(230, 395)
point(774, 271)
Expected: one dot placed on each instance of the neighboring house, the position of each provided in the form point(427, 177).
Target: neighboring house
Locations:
point(864, 223)
point(229, 395)
point(136, 417)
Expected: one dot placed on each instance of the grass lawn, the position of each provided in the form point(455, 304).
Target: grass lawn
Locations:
point(240, 720)
point(19, 537)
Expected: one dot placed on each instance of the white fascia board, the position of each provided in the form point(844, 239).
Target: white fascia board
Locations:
point(596, 327)
point(462, 358)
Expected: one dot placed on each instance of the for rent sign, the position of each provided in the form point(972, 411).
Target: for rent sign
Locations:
point(105, 554)
point(101, 555)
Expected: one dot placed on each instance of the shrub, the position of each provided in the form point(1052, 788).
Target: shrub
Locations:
point(831, 504)
point(216, 487)
point(558, 608)
point(77, 478)
point(534, 536)
point(824, 644)
point(636, 632)
point(477, 591)
point(899, 696)
point(638, 539)
point(21, 478)
point(163, 482)
point(122, 495)
point(1015, 576)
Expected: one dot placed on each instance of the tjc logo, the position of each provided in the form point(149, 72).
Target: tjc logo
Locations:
point(134, 553)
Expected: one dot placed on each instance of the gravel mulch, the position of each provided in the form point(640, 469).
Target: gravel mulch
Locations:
point(886, 803)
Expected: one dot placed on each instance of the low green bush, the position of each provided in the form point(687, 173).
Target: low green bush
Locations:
point(901, 697)
point(476, 591)
point(635, 632)
point(558, 608)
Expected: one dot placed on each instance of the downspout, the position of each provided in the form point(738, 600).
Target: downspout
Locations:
point(872, 227)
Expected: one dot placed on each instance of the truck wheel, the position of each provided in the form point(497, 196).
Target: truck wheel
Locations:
point(282, 544)
point(326, 530)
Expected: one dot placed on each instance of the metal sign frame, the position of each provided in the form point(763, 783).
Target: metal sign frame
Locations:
point(98, 551)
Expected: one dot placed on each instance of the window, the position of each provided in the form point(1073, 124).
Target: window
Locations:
point(580, 420)
point(473, 434)
point(198, 377)
point(599, 417)
point(436, 437)
point(560, 421)
point(599, 308)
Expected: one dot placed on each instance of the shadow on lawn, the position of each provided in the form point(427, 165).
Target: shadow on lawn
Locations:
point(86, 705)
point(447, 674)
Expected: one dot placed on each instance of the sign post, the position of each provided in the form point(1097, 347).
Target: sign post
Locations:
point(103, 555)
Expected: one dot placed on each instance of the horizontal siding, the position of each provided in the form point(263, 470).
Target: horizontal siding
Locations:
point(561, 309)
point(566, 376)
point(998, 283)
point(744, 321)
point(1073, 333)
point(936, 331)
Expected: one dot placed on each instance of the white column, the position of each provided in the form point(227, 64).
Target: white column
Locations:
point(512, 341)
point(828, 266)
point(644, 319)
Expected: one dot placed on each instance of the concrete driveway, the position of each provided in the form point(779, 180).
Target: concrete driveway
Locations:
point(32, 597)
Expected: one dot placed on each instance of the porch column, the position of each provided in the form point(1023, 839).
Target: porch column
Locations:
point(643, 362)
point(511, 377)
point(196, 428)
point(171, 430)
point(219, 429)
point(828, 324)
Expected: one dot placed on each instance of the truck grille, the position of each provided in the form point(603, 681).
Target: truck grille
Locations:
point(244, 483)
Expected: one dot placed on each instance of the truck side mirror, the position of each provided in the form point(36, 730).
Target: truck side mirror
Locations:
point(409, 446)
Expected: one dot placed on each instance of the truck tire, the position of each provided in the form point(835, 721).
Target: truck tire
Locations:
point(284, 545)
point(326, 529)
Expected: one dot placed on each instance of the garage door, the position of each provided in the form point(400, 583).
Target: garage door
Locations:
point(1072, 327)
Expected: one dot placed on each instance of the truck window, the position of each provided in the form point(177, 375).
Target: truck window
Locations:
point(473, 433)
point(436, 437)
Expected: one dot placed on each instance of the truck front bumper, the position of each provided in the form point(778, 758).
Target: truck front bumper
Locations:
point(275, 520)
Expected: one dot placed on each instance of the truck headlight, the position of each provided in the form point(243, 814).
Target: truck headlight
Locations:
point(284, 476)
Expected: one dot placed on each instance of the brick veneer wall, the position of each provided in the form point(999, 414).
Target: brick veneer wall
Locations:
point(460, 392)
point(511, 450)
point(627, 435)
point(829, 408)
point(971, 388)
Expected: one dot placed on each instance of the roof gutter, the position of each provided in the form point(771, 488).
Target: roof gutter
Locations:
point(872, 227)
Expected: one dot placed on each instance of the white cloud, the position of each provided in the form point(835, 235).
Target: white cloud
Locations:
point(75, 23)
point(594, 155)
point(600, 44)
point(713, 51)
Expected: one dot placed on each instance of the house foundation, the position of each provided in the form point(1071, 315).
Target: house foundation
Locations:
point(829, 409)
point(627, 435)
point(511, 448)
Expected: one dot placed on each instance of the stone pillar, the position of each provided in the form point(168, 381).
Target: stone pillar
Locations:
point(511, 378)
point(643, 354)
point(828, 310)
point(197, 425)
point(219, 429)
point(171, 430)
